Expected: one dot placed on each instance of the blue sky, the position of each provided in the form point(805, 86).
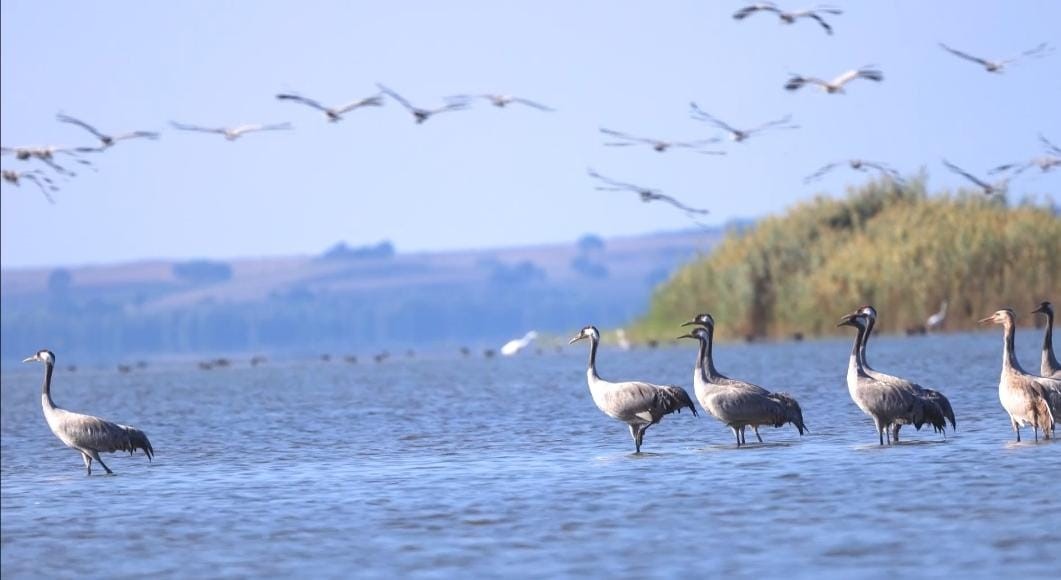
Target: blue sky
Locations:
point(484, 177)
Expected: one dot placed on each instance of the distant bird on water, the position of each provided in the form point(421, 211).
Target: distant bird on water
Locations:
point(35, 176)
point(87, 434)
point(996, 66)
point(1024, 396)
point(638, 404)
point(232, 133)
point(105, 139)
point(734, 402)
point(987, 188)
point(790, 17)
point(659, 145)
point(858, 165)
point(421, 115)
point(647, 195)
point(739, 135)
point(501, 101)
point(1049, 367)
point(935, 321)
point(334, 114)
point(796, 82)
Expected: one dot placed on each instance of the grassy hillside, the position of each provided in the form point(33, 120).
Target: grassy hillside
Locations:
point(899, 249)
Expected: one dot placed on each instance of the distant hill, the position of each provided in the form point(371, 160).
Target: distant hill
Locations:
point(346, 299)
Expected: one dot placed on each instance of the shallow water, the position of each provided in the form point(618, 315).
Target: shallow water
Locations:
point(502, 467)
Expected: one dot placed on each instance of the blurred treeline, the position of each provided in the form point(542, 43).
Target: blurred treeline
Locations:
point(894, 247)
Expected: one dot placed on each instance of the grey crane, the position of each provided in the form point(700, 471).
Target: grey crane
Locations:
point(647, 194)
point(857, 165)
point(986, 187)
point(659, 145)
point(333, 114)
point(996, 66)
point(1050, 160)
point(106, 140)
point(739, 135)
point(737, 404)
point(46, 154)
point(884, 402)
point(89, 435)
point(421, 115)
point(1026, 397)
point(232, 133)
point(835, 86)
point(501, 101)
point(35, 176)
point(937, 408)
point(638, 404)
point(1049, 367)
point(790, 17)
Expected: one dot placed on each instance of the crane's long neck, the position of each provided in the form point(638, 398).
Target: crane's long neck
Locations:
point(854, 365)
point(1009, 356)
point(591, 371)
point(46, 389)
point(1049, 359)
point(865, 342)
point(707, 360)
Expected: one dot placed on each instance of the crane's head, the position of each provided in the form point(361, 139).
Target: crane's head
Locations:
point(868, 311)
point(1044, 308)
point(587, 332)
point(856, 319)
point(704, 319)
point(699, 333)
point(42, 356)
point(1004, 316)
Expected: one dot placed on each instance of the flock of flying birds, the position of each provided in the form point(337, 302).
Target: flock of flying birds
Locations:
point(1047, 161)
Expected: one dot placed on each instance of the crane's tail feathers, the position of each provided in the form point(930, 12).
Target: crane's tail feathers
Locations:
point(792, 413)
point(934, 413)
point(1044, 417)
point(137, 440)
point(674, 399)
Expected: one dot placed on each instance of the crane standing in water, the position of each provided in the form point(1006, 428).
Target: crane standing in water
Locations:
point(85, 433)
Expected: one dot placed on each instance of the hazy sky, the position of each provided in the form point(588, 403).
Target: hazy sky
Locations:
point(484, 177)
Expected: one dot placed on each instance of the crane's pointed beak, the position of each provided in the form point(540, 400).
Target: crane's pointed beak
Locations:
point(30, 359)
point(986, 320)
point(1039, 309)
point(846, 320)
point(685, 335)
point(690, 323)
point(576, 339)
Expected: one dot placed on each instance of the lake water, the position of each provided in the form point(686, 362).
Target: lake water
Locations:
point(503, 467)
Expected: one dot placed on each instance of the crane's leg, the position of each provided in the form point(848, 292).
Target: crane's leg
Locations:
point(637, 441)
point(95, 455)
point(641, 436)
point(880, 430)
point(1016, 428)
point(1035, 429)
point(88, 463)
point(895, 432)
point(757, 436)
point(736, 433)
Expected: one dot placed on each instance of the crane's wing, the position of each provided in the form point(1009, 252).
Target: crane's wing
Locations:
point(396, 97)
point(373, 101)
point(818, 19)
point(132, 135)
point(753, 8)
point(258, 127)
point(697, 113)
point(453, 106)
point(187, 127)
point(614, 185)
point(796, 82)
point(626, 137)
point(679, 205)
point(38, 181)
point(867, 73)
point(884, 169)
point(1049, 146)
point(300, 99)
point(63, 118)
point(821, 172)
point(782, 123)
point(532, 104)
point(966, 175)
point(961, 54)
point(698, 144)
point(1017, 168)
point(1042, 49)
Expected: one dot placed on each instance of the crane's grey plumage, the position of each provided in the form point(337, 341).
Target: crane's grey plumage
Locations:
point(334, 114)
point(996, 66)
point(647, 194)
point(790, 17)
point(659, 145)
point(1048, 367)
point(501, 101)
point(987, 188)
point(937, 409)
point(737, 404)
point(857, 165)
point(1024, 396)
point(739, 135)
point(105, 139)
point(87, 434)
point(36, 176)
point(835, 86)
point(46, 154)
point(421, 115)
point(885, 403)
point(232, 133)
point(1050, 160)
point(638, 404)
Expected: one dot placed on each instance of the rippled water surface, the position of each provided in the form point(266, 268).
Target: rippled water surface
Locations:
point(432, 467)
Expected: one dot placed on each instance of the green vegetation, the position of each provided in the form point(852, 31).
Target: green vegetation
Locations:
point(899, 249)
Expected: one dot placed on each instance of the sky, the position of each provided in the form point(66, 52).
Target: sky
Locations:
point(485, 177)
